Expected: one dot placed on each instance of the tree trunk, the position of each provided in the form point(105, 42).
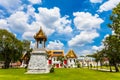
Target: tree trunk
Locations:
point(88, 65)
point(116, 67)
point(7, 63)
point(110, 67)
point(100, 64)
point(97, 65)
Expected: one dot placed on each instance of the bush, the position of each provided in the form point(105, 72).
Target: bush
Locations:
point(52, 70)
point(78, 65)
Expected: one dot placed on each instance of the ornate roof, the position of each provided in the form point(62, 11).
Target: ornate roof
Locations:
point(40, 35)
point(56, 53)
point(71, 54)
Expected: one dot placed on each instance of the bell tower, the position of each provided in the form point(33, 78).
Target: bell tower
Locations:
point(40, 38)
point(38, 59)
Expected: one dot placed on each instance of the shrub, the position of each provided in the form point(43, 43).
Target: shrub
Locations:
point(52, 70)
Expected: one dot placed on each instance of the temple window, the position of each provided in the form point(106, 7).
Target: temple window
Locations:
point(70, 60)
point(74, 60)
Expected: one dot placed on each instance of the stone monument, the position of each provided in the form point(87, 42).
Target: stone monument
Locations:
point(38, 59)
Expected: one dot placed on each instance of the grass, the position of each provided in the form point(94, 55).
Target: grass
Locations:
point(59, 74)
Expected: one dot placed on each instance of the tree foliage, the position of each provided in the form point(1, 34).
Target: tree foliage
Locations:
point(115, 18)
point(112, 42)
point(10, 48)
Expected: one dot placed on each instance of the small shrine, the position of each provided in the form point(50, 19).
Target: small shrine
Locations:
point(38, 59)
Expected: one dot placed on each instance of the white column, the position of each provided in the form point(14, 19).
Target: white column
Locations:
point(43, 44)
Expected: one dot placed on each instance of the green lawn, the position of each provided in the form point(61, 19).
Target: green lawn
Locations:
point(59, 74)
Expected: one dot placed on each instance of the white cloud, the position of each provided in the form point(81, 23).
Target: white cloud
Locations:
point(35, 1)
point(86, 52)
point(83, 38)
point(28, 35)
point(108, 5)
point(96, 1)
point(85, 21)
point(18, 22)
point(55, 45)
point(29, 22)
point(51, 18)
point(105, 37)
point(32, 45)
point(62, 25)
point(10, 5)
point(97, 48)
point(31, 10)
point(34, 28)
point(87, 25)
point(3, 24)
point(91, 49)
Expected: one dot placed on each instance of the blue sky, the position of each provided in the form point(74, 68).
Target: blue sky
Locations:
point(80, 25)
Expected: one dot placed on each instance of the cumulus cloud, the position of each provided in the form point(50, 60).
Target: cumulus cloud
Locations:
point(28, 35)
point(91, 49)
point(35, 1)
point(85, 21)
point(87, 25)
point(108, 5)
point(83, 38)
point(97, 48)
point(3, 24)
point(32, 44)
point(29, 22)
point(96, 1)
point(9, 5)
point(54, 20)
point(18, 22)
point(55, 45)
point(50, 20)
point(86, 52)
point(30, 11)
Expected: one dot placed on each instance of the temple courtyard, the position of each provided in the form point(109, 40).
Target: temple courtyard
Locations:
point(59, 74)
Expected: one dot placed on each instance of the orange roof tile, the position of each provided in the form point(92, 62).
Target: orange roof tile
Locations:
point(71, 54)
point(40, 35)
point(56, 53)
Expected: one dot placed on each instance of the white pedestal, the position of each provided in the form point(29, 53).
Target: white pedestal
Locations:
point(38, 62)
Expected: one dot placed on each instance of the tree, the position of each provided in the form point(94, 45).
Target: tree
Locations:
point(112, 42)
point(115, 18)
point(61, 59)
point(97, 58)
point(26, 45)
point(112, 46)
point(10, 48)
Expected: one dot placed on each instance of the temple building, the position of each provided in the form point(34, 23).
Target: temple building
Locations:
point(71, 59)
point(56, 58)
point(59, 60)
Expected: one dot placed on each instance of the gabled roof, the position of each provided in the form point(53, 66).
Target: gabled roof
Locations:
point(56, 53)
point(71, 54)
point(40, 35)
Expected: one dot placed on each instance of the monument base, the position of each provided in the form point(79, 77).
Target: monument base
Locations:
point(38, 62)
point(37, 71)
